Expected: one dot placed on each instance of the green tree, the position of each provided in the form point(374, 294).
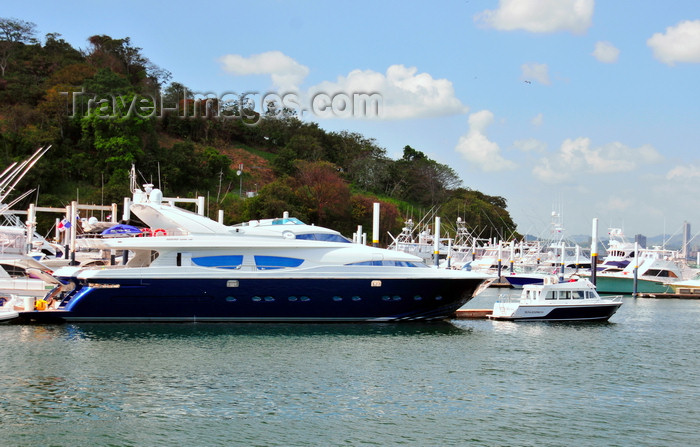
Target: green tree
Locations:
point(13, 33)
point(273, 200)
point(121, 57)
point(114, 132)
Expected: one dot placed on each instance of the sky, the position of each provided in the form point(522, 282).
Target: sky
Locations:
point(587, 108)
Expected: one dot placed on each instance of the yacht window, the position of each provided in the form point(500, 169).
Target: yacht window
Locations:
point(287, 221)
point(660, 273)
point(390, 263)
point(14, 271)
point(549, 296)
point(142, 258)
point(276, 262)
point(579, 294)
point(325, 237)
point(222, 262)
point(564, 295)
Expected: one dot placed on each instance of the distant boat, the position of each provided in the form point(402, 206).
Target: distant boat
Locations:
point(619, 252)
point(687, 287)
point(519, 279)
point(658, 270)
point(565, 301)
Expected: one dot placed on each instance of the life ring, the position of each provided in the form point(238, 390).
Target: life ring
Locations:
point(159, 232)
point(146, 232)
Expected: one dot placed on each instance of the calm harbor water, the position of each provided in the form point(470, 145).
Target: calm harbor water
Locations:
point(634, 381)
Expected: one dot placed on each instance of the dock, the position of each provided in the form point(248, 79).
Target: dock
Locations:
point(474, 314)
point(687, 296)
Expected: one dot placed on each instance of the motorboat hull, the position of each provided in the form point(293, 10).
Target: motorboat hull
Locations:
point(625, 285)
point(588, 312)
point(8, 315)
point(263, 300)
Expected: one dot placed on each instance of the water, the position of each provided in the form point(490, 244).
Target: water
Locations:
point(632, 382)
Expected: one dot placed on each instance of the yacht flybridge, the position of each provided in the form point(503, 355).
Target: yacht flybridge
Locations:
point(196, 269)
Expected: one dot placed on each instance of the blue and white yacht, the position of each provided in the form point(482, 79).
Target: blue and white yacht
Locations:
point(196, 269)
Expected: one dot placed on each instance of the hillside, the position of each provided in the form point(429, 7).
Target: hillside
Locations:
point(98, 110)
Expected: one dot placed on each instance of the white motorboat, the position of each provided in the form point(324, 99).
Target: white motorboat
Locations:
point(658, 270)
point(565, 301)
point(7, 309)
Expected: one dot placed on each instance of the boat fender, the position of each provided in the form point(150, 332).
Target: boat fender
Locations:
point(40, 304)
point(159, 232)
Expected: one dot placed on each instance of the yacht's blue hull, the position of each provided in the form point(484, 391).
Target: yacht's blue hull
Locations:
point(222, 300)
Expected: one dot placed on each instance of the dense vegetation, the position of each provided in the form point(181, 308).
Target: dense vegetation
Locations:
point(98, 110)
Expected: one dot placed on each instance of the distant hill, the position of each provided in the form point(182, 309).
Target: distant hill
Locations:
point(107, 108)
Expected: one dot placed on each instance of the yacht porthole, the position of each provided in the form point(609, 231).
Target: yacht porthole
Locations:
point(417, 298)
point(305, 298)
point(356, 298)
point(438, 298)
point(386, 298)
point(292, 298)
point(269, 298)
point(337, 298)
point(231, 299)
point(257, 298)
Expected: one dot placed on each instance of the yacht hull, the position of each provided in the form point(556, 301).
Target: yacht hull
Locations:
point(263, 300)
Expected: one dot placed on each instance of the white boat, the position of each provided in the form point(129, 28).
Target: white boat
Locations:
point(7, 309)
point(565, 301)
point(687, 287)
point(196, 269)
point(417, 242)
point(23, 276)
point(658, 270)
point(620, 253)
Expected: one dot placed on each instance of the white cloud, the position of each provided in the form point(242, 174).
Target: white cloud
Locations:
point(539, 16)
point(576, 158)
point(538, 72)
point(531, 145)
point(537, 120)
point(476, 147)
point(286, 73)
point(618, 204)
point(683, 172)
point(606, 52)
point(405, 93)
point(680, 43)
